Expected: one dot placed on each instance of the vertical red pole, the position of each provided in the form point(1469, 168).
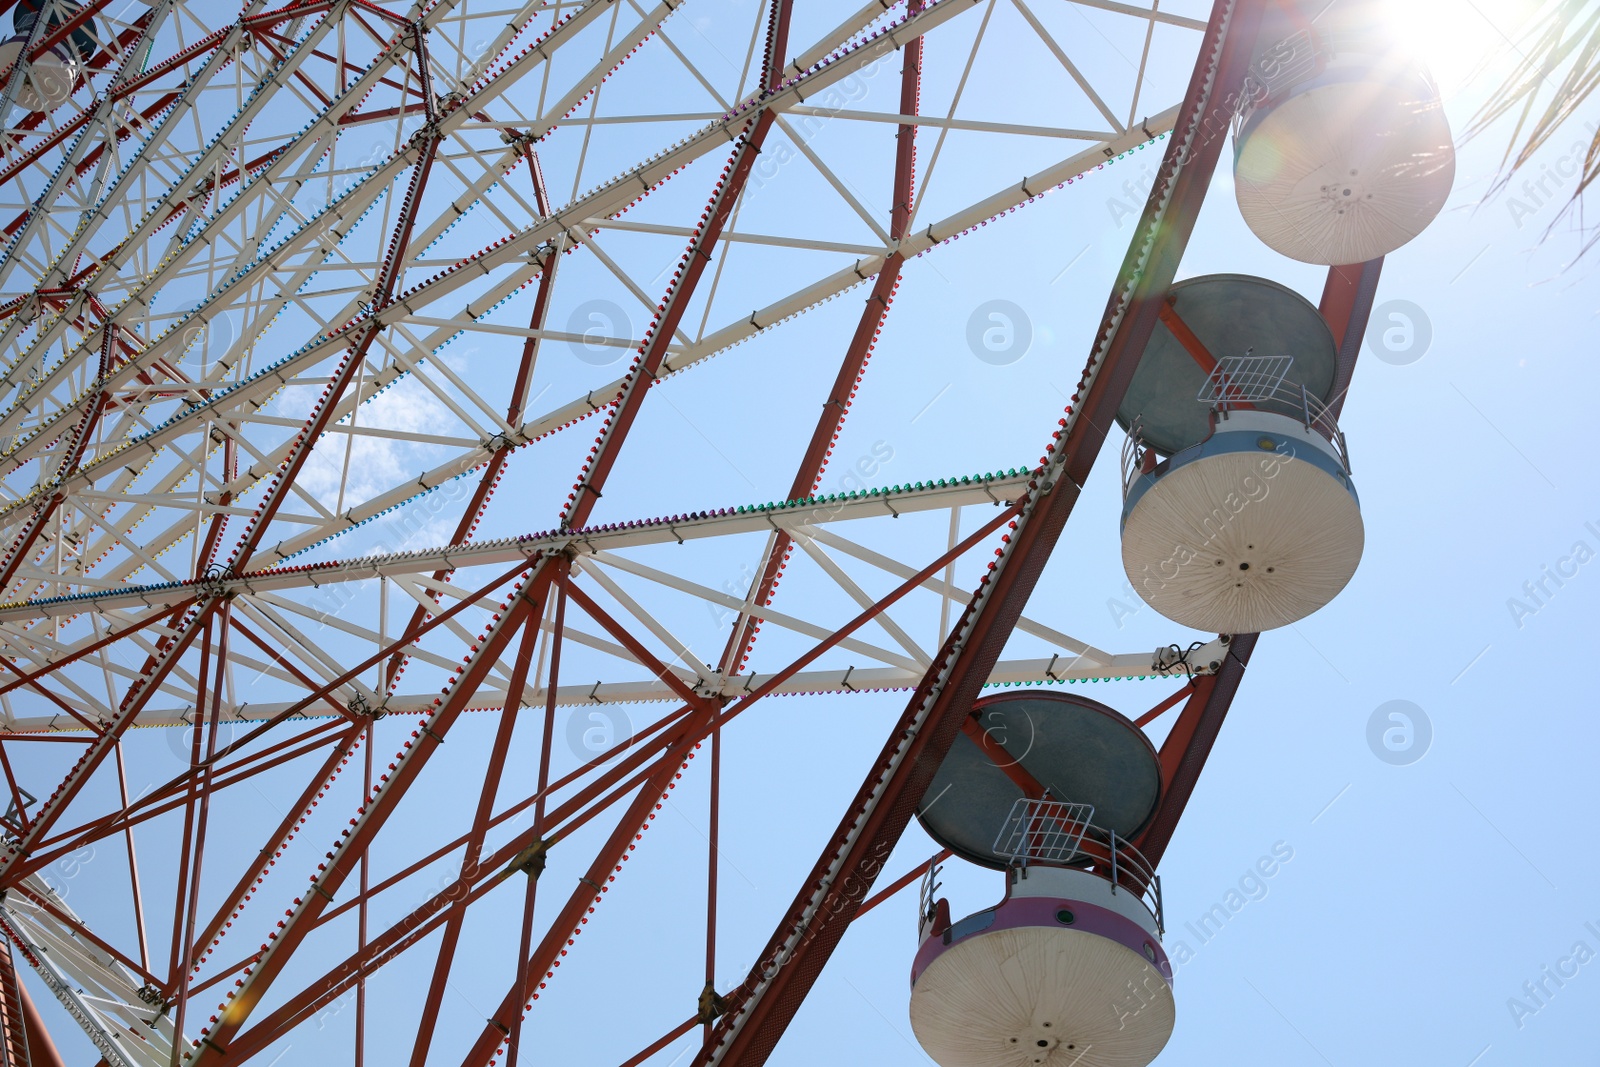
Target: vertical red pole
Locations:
point(361, 910)
point(474, 846)
point(210, 716)
point(133, 866)
point(514, 1038)
point(175, 968)
point(713, 836)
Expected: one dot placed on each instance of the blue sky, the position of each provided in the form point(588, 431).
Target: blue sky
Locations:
point(1421, 896)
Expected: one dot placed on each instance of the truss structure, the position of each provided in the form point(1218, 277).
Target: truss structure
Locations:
point(289, 297)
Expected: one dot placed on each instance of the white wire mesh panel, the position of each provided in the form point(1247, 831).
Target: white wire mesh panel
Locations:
point(930, 886)
point(1048, 831)
point(1245, 379)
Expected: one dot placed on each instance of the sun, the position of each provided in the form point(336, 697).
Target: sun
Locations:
point(1456, 37)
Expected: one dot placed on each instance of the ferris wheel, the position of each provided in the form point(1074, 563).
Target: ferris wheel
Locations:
point(360, 593)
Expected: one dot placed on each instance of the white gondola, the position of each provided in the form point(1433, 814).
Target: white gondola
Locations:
point(1253, 528)
point(50, 78)
point(1066, 971)
point(1351, 159)
point(48, 81)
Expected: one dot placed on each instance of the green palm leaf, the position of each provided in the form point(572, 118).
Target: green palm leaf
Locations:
point(1559, 67)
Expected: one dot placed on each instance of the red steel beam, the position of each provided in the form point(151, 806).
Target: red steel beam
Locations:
point(41, 1049)
point(661, 1042)
point(168, 798)
point(904, 880)
point(362, 884)
point(997, 755)
point(763, 1005)
point(473, 512)
point(1186, 337)
point(38, 687)
point(568, 816)
point(294, 672)
point(233, 902)
point(217, 629)
point(636, 649)
point(815, 459)
point(1166, 705)
point(24, 1041)
point(1347, 299)
point(641, 375)
point(190, 859)
point(169, 651)
point(13, 1017)
point(713, 838)
point(530, 597)
point(474, 850)
point(547, 737)
point(586, 491)
point(1188, 743)
point(342, 860)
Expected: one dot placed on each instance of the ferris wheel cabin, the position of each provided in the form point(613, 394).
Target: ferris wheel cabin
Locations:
point(49, 80)
point(1343, 154)
point(1068, 968)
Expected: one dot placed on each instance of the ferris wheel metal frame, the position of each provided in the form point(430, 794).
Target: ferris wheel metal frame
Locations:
point(99, 397)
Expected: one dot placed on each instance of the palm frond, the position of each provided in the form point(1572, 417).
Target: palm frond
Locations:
point(1558, 70)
